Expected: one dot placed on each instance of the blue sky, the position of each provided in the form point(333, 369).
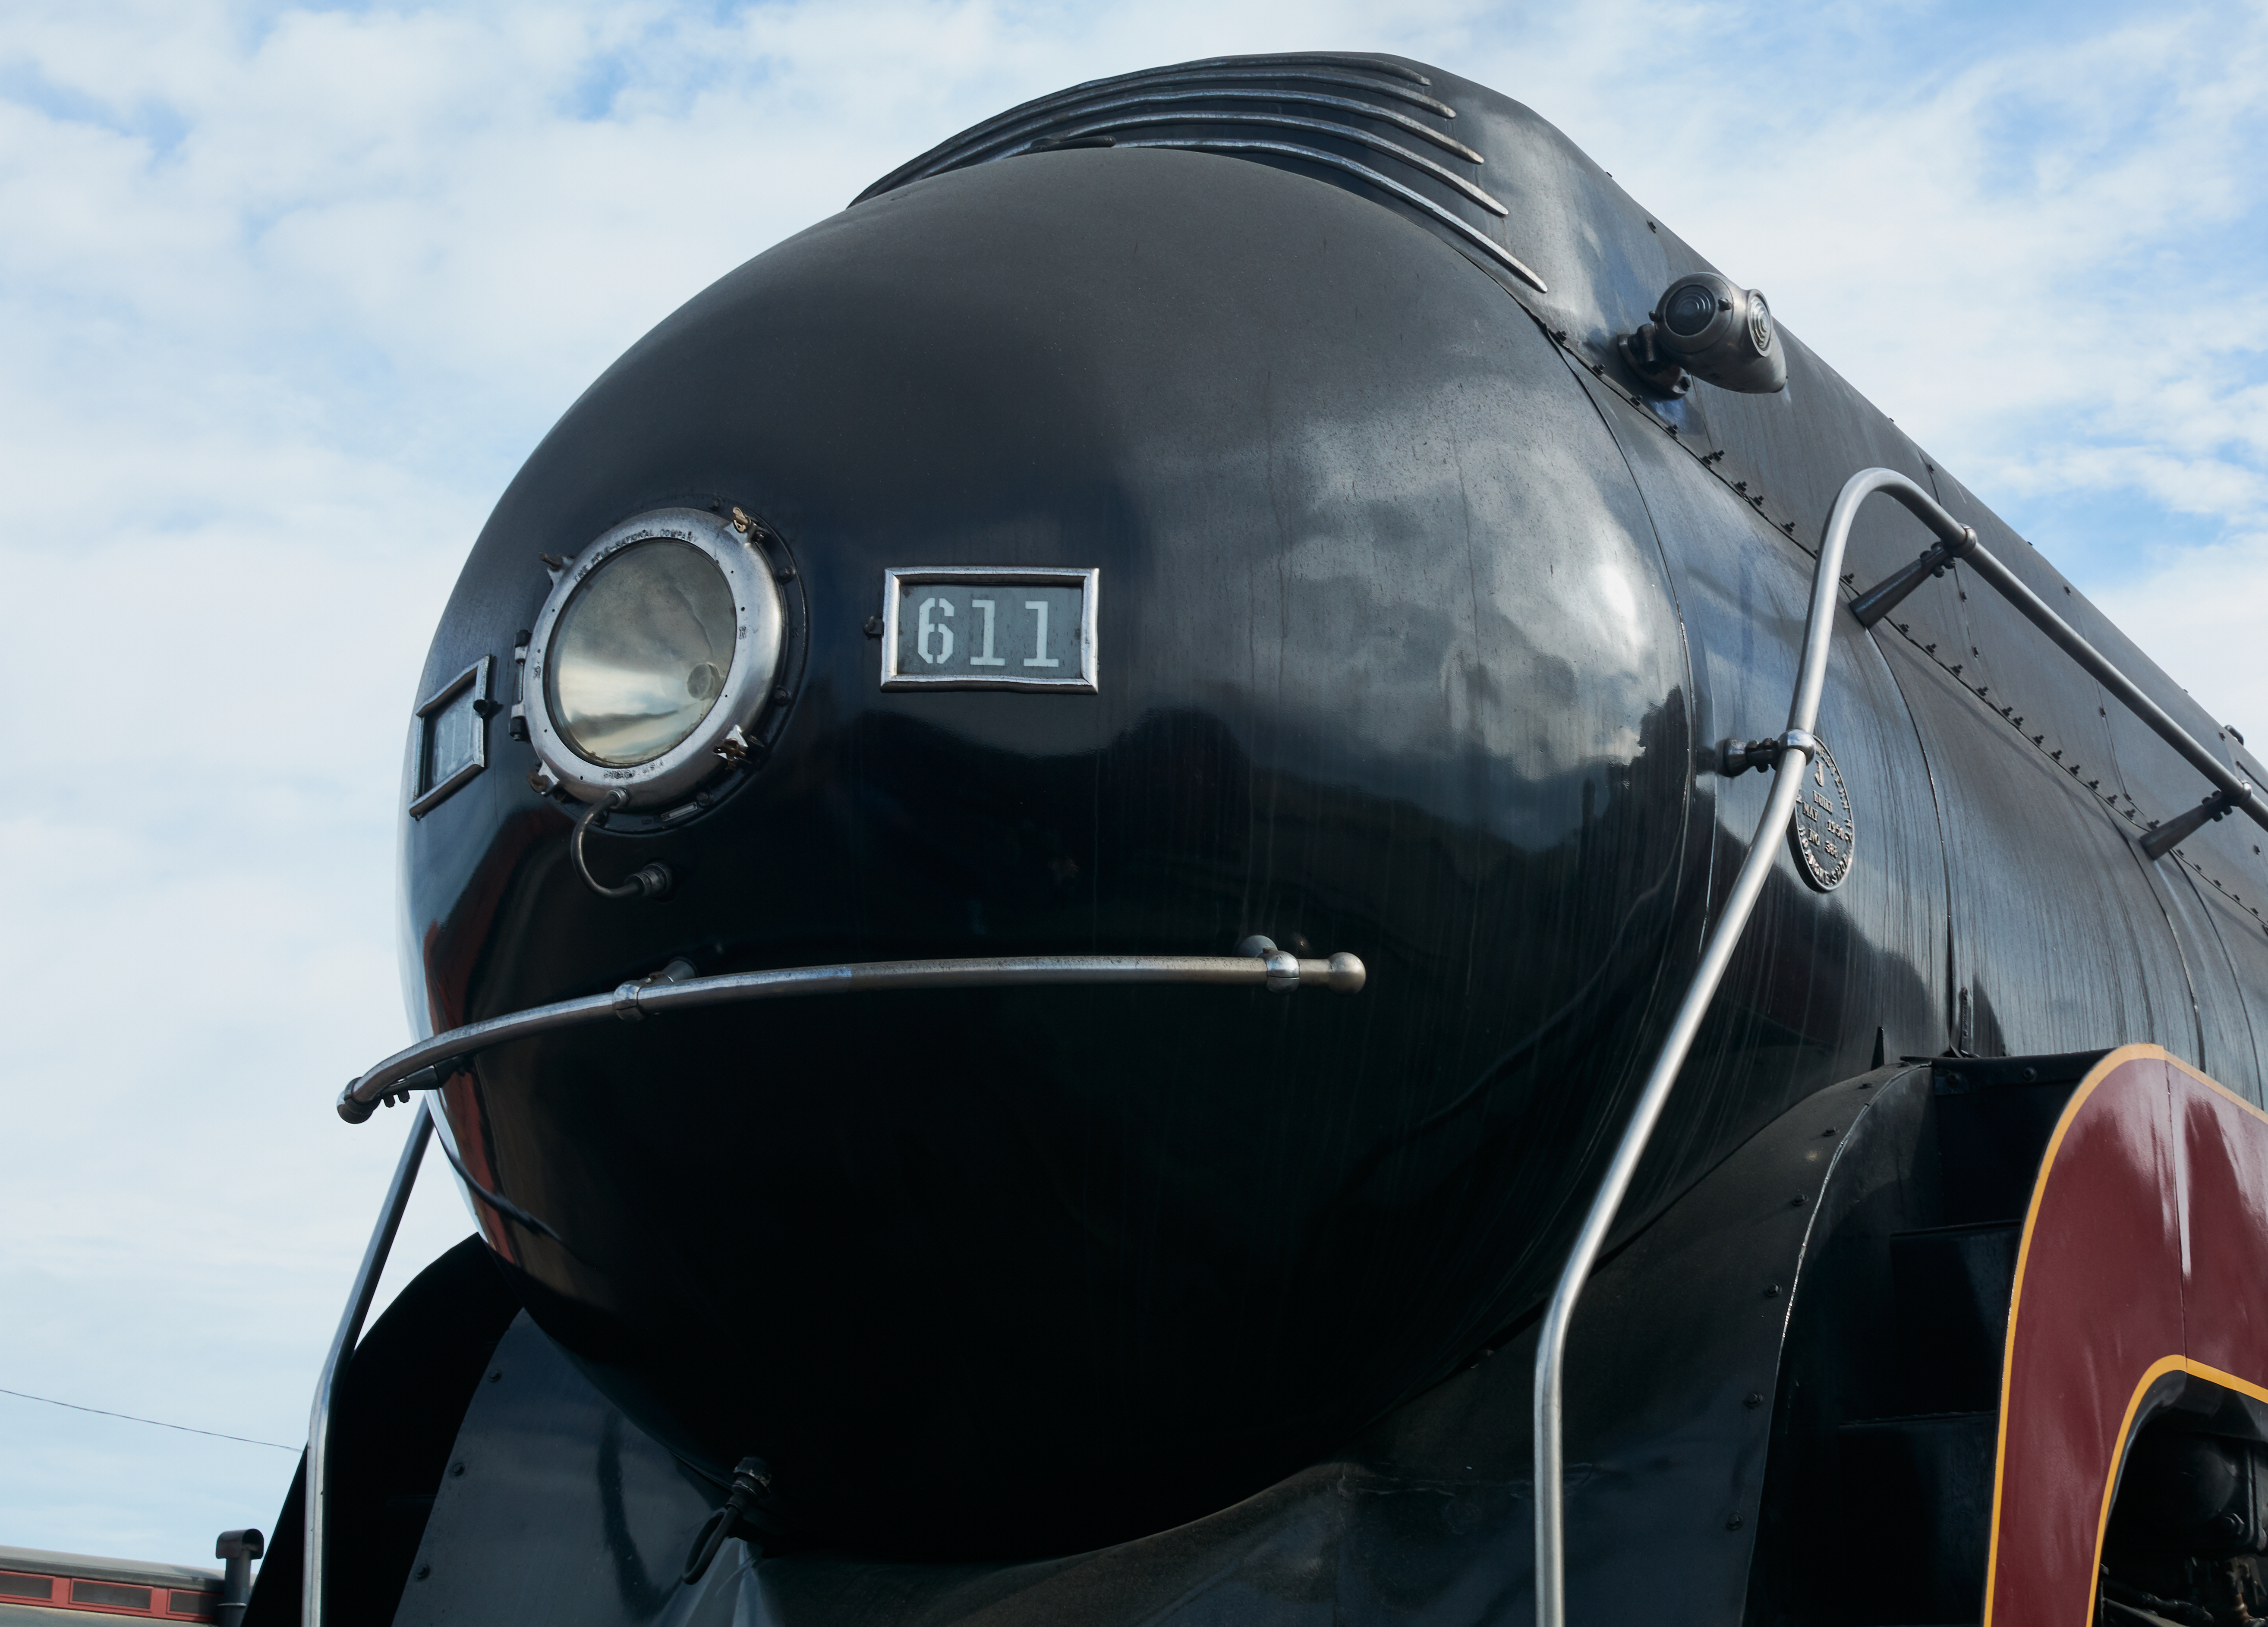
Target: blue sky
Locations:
point(286, 294)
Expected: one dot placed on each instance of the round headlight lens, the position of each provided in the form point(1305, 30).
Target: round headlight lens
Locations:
point(1690, 309)
point(641, 653)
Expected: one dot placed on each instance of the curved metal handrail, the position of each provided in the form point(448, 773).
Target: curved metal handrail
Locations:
point(1796, 746)
point(428, 1063)
point(1258, 963)
point(314, 1565)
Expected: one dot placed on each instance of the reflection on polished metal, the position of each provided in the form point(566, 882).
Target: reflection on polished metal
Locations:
point(1794, 747)
point(314, 1561)
point(427, 1064)
point(1872, 606)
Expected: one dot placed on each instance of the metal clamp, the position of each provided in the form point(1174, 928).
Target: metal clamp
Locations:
point(427, 1064)
point(2164, 838)
point(1880, 599)
point(1737, 757)
point(626, 996)
point(652, 880)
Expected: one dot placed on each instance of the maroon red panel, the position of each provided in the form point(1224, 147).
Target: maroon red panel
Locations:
point(99, 1596)
point(2141, 1261)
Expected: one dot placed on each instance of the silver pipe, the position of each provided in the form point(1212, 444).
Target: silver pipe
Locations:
point(1797, 745)
point(1272, 968)
point(2237, 791)
point(314, 1560)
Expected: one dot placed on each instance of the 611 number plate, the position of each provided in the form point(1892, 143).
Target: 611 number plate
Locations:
point(988, 627)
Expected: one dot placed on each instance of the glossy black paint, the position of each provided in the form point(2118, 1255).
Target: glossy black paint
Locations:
point(569, 1516)
point(1419, 628)
point(554, 1509)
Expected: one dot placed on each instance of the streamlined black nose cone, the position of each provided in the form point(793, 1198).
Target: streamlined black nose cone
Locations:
point(1382, 662)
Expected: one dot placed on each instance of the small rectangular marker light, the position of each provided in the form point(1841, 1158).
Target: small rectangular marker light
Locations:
point(452, 736)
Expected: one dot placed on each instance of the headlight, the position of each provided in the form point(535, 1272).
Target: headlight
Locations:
point(656, 651)
point(640, 653)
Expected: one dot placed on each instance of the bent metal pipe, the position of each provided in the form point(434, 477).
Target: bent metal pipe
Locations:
point(425, 1065)
point(1796, 746)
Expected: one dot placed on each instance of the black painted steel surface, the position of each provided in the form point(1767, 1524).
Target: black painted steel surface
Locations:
point(1419, 628)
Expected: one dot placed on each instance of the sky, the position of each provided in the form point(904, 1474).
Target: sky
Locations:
point(287, 293)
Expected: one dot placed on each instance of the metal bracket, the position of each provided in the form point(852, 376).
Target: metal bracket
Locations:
point(1880, 599)
point(1663, 375)
point(1735, 758)
point(626, 997)
point(2162, 839)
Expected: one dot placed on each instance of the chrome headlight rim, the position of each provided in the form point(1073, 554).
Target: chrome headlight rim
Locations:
point(728, 736)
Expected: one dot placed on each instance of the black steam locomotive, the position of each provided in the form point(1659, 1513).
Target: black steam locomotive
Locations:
point(1105, 774)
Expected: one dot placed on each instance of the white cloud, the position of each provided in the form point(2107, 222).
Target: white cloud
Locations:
point(286, 295)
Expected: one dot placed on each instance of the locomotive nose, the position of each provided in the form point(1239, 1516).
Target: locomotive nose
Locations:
point(1095, 552)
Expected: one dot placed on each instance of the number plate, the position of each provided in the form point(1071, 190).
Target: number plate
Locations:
point(988, 627)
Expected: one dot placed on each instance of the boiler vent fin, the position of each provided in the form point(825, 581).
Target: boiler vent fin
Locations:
point(1350, 116)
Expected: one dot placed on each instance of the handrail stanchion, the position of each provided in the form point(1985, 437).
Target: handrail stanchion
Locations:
point(318, 1487)
point(1795, 747)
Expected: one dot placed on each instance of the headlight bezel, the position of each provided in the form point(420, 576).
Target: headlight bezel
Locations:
point(761, 651)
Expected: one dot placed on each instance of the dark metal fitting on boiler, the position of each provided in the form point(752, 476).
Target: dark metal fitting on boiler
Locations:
point(2162, 839)
point(1662, 375)
point(652, 880)
point(751, 1481)
point(1737, 757)
point(1880, 599)
point(1722, 332)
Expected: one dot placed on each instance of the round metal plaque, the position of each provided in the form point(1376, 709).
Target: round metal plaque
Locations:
point(1823, 831)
